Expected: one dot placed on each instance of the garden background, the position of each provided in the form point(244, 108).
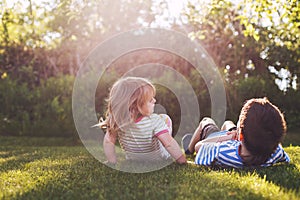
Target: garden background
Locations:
point(254, 44)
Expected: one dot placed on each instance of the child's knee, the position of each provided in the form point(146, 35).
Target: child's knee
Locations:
point(228, 125)
point(205, 121)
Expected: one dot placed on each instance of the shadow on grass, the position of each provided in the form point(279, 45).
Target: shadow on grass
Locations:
point(17, 158)
point(286, 176)
point(26, 141)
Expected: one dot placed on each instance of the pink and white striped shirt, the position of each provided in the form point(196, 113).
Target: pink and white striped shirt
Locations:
point(140, 141)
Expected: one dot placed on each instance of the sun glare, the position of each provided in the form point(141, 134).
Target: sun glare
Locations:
point(175, 7)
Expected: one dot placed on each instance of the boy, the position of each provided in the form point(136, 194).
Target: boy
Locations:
point(254, 142)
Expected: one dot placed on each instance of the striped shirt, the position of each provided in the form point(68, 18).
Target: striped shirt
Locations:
point(140, 141)
point(226, 154)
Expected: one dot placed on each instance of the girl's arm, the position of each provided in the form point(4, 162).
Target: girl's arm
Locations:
point(109, 148)
point(172, 147)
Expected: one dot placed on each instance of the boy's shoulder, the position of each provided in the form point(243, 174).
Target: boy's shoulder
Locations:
point(279, 155)
point(229, 147)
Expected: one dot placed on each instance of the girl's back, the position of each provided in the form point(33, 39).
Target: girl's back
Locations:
point(139, 140)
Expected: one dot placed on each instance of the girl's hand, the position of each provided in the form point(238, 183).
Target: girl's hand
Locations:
point(112, 164)
point(181, 160)
point(109, 148)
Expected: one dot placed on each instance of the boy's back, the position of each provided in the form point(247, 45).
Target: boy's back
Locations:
point(226, 154)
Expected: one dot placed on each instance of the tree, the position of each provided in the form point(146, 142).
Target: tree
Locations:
point(220, 32)
point(54, 37)
point(24, 38)
point(249, 38)
point(276, 26)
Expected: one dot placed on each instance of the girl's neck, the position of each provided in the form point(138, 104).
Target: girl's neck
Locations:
point(139, 118)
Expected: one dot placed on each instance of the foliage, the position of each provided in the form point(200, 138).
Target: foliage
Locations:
point(252, 87)
point(46, 110)
point(221, 33)
point(24, 38)
point(249, 38)
point(245, 40)
point(38, 41)
point(70, 172)
point(291, 108)
point(275, 25)
point(25, 23)
point(55, 37)
point(41, 111)
point(255, 87)
point(15, 107)
point(276, 16)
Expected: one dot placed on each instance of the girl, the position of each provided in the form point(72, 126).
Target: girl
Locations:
point(142, 134)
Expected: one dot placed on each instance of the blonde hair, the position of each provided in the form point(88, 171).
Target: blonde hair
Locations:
point(126, 99)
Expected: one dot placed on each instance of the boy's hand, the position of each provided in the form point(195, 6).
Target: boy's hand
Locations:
point(234, 134)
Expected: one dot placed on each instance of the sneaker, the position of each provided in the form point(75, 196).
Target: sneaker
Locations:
point(185, 143)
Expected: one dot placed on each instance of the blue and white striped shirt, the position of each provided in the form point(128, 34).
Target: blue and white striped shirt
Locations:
point(226, 154)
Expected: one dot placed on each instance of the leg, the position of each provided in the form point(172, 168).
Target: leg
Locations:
point(228, 125)
point(206, 126)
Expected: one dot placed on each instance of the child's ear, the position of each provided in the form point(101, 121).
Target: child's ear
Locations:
point(241, 137)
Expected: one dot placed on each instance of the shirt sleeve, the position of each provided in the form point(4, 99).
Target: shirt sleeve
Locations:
point(207, 154)
point(278, 156)
point(159, 125)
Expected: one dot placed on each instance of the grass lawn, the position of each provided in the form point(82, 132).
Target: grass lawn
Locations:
point(51, 168)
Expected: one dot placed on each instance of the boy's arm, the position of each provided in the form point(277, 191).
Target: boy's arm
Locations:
point(109, 148)
point(207, 154)
point(172, 147)
point(230, 135)
point(199, 144)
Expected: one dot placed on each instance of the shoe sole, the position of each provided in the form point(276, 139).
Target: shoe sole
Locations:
point(186, 139)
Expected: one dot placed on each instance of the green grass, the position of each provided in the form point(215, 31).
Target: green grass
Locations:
point(39, 168)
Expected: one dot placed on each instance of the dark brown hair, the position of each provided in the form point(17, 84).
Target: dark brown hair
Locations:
point(263, 128)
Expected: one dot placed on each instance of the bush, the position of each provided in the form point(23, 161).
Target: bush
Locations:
point(44, 110)
point(291, 108)
point(53, 108)
point(16, 106)
point(255, 87)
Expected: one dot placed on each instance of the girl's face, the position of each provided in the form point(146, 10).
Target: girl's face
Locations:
point(148, 107)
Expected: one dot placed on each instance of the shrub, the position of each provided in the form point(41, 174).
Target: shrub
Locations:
point(16, 106)
point(44, 110)
point(53, 108)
